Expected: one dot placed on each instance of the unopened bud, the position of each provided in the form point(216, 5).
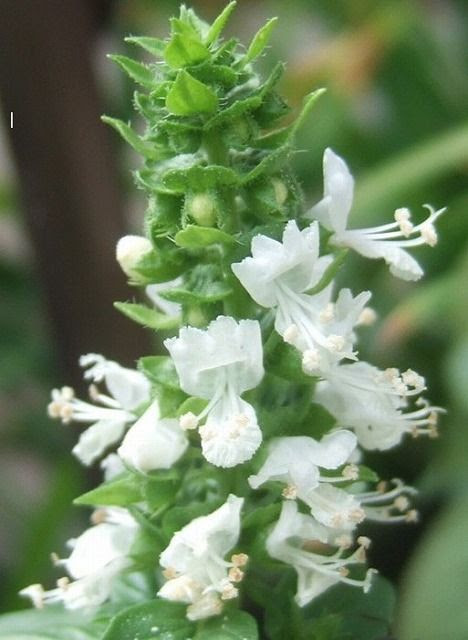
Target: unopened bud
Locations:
point(202, 207)
point(129, 251)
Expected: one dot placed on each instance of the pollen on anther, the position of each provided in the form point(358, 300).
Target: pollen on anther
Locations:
point(188, 421)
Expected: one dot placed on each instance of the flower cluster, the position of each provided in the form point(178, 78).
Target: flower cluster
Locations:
point(212, 439)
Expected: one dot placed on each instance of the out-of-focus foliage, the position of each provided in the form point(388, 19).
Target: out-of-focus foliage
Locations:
point(396, 109)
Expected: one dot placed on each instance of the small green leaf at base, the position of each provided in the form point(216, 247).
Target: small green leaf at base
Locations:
point(259, 41)
point(148, 317)
point(232, 625)
point(156, 619)
point(195, 237)
point(137, 71)
point(188, 96)
point(121, 492)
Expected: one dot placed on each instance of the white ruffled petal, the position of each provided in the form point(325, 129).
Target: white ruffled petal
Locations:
point(97, 438)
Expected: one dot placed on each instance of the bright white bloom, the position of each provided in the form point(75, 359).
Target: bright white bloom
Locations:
point(112, 466)
point(299, 540)
point(129, 251)
point(152, 443)
point(154, 291)
point(387, 241)
point(277, 276)
point(219, 364)
point(297, 460)
point(97, 556)
point(110, 415)
point(376, 404)
point(194, 562)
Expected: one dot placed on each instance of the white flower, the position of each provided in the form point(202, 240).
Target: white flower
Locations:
point(297, 460)
point(388, 241)
point(129, 251)
point(194, 562)
point(278, 276)
point(153, 291)
point(299, 540)
point(152, 443)
point(97, 556)
point(376, 404)
point(128, 390)
point(219, 364)
point(112, 466)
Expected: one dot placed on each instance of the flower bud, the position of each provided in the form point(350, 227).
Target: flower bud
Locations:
point(129, 251)
point(152, 443)
point(202, 207)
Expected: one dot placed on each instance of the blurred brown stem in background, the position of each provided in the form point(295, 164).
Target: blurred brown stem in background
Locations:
point(67, 174)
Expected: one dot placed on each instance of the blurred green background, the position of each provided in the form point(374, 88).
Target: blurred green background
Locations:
point(396, 109)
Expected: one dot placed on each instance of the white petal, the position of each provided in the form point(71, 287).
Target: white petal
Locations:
point(153, 292)
point(311, 584)
point(181, 589)
point(402, 264)
point(97, 547)
point(334, 209)
point(335, 449)
point(97, 438)
point(228, 440)
point(152, 443)
point(130, 388)
point(201, 355)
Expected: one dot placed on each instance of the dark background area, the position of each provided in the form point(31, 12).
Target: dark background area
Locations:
point(396, 109)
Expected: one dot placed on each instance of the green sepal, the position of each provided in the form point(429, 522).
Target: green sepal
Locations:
point(270, 163)
point(141, 620)
point(261, 517)
point(259, 41)
point(188, 96)
point(284, 360)
point(160, 488)
point(148, 317)
point(177, 517)
point(160, 369)
point(183, 50)
point(200, 178)
point(124, 490)
point(136, 70)
point(309, 103)
point(235, 110)
point(192, 405)
point(330, 272)
point(127, 133)
point(204, 284)
point(195, 237)
point(155, 46)
point(161, 266)
point(231, 625)
point(215, 74)
point(218, 25)
point(162, 219)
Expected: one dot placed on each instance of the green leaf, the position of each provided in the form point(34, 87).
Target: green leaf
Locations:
point(259, 41)
point(148, 317)
point(232, 625)
point(284, 360)
point(261, 517)
point(204, 284)
point(309, 103)
point(219, 24)
point(270, 163)
point(121, 492)
point(194, 237)
point(155, 620)
point(155, 46)
point(137, 71)
point(188, 96)
point(130, 136)
point(160, 369)
point(184, 50)
point(192, 405)
point(51, 623)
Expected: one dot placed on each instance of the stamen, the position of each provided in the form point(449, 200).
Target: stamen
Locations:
point(335, 343)
point(169, 573)
point(364, 542)
point(291, 334)
point(344, 541)
point(239, 559)
point(367, 317)
point(328, 314)
point(311, 360)
point(188, 421)
point(235, 574)
point(402, 217)
point(229, 592)
point(290, 492)
point(351, 472)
